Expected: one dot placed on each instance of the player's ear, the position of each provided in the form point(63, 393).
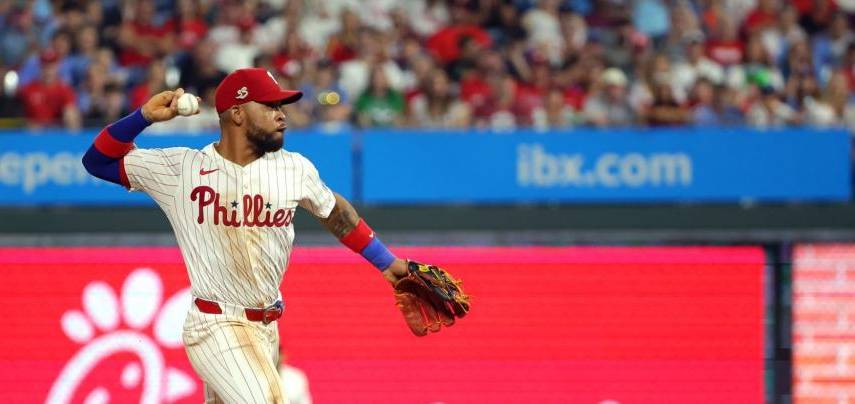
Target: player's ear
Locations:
point(238, 115)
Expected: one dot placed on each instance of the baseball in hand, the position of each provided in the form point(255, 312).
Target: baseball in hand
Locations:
point(187, 104)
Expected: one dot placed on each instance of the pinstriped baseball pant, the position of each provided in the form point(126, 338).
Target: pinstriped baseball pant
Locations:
point(235, 358)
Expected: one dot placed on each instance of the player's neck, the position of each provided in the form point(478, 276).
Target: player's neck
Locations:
point(240, 153)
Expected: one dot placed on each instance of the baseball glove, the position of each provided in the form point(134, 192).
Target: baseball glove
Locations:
point(429, 298)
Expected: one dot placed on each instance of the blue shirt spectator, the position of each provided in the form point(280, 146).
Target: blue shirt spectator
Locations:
point(650, 17)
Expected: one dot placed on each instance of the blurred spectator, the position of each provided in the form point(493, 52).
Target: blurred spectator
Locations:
point(765, 15)
point(684, 25)
point(155, 82)
point(816, 14)
point(416, 66)
point(474, 86)
point(652, 71)
point(702, 102)
point(356, 73)
point(446, 44)
point(322, 20)
point(497, 111)
point(544, 32)
point(650, 17)
point(555, 113)
point(96, 98)
point(224, 28)
point(696, 66)
point(837, 94)
point(724, 46)
point(784, 34)
point(380, 105)
point(240, 54)
point(271, 29)
point(713, 105)
point(437, 106)
point(342, 46)
point(575, 31)
point(665, 109)
point(427, 16)
point(19, 34)
point(770, 111)
point(326, 102)
point(188, 26)
point(292, 52)
point(141, 40)
point(758, 69)
point(198, 73)
point(49, 101)
point(805, 96)
point(829, 47)
point(60, 47)
point(608, 106)
point(798, 60)
point(86, 52)
point(727, 106)
point(531, 91)
point(847, 68)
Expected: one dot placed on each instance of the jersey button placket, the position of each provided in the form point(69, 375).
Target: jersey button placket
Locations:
point(244, 179)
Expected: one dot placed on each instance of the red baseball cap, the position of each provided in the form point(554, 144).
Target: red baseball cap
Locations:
point(48, 56)
point(251, 84)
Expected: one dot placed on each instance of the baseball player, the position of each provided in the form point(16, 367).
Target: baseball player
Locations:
point(231, 206)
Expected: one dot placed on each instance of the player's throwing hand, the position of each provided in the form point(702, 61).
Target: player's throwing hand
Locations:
point(163, 106)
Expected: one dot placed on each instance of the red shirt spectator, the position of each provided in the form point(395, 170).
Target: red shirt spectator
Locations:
point(288, 57)
point(140, 40)
point(45, 100)
point(44, 103)
point(726, 52)
point(342, 46)
point(575, 96)
point(474, 89)
point(529, 96)
point(187, 25)
point(763, 16)
point(188, 32)
point(445, 44)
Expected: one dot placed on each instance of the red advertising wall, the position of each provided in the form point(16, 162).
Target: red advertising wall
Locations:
point(582, 325)
point(824, 323)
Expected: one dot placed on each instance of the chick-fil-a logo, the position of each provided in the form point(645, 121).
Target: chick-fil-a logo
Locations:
point(137, 322)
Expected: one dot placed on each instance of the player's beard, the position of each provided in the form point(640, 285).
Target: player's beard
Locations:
point(263, 141)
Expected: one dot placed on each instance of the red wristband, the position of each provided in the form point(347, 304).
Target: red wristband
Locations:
point(110, 147)
point(359, 237)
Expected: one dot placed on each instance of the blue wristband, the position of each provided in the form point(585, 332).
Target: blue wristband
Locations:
point(377, 253)
point(127, 128)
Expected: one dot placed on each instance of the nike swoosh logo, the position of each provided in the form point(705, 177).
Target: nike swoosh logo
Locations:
point(203, 172)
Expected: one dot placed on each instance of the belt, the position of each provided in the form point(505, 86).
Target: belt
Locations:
point(266, 315)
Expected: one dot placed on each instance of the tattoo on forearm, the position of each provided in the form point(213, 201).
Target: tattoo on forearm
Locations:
point(342, 219)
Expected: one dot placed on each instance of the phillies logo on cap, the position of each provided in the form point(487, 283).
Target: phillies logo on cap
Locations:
point(242, 93)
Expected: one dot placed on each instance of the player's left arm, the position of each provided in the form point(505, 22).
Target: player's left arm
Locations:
point(428, 296)
point(345, 224)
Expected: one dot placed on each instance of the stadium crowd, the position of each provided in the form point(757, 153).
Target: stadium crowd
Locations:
point(439, 63)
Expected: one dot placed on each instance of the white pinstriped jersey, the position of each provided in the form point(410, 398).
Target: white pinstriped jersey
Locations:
point(233, 223)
